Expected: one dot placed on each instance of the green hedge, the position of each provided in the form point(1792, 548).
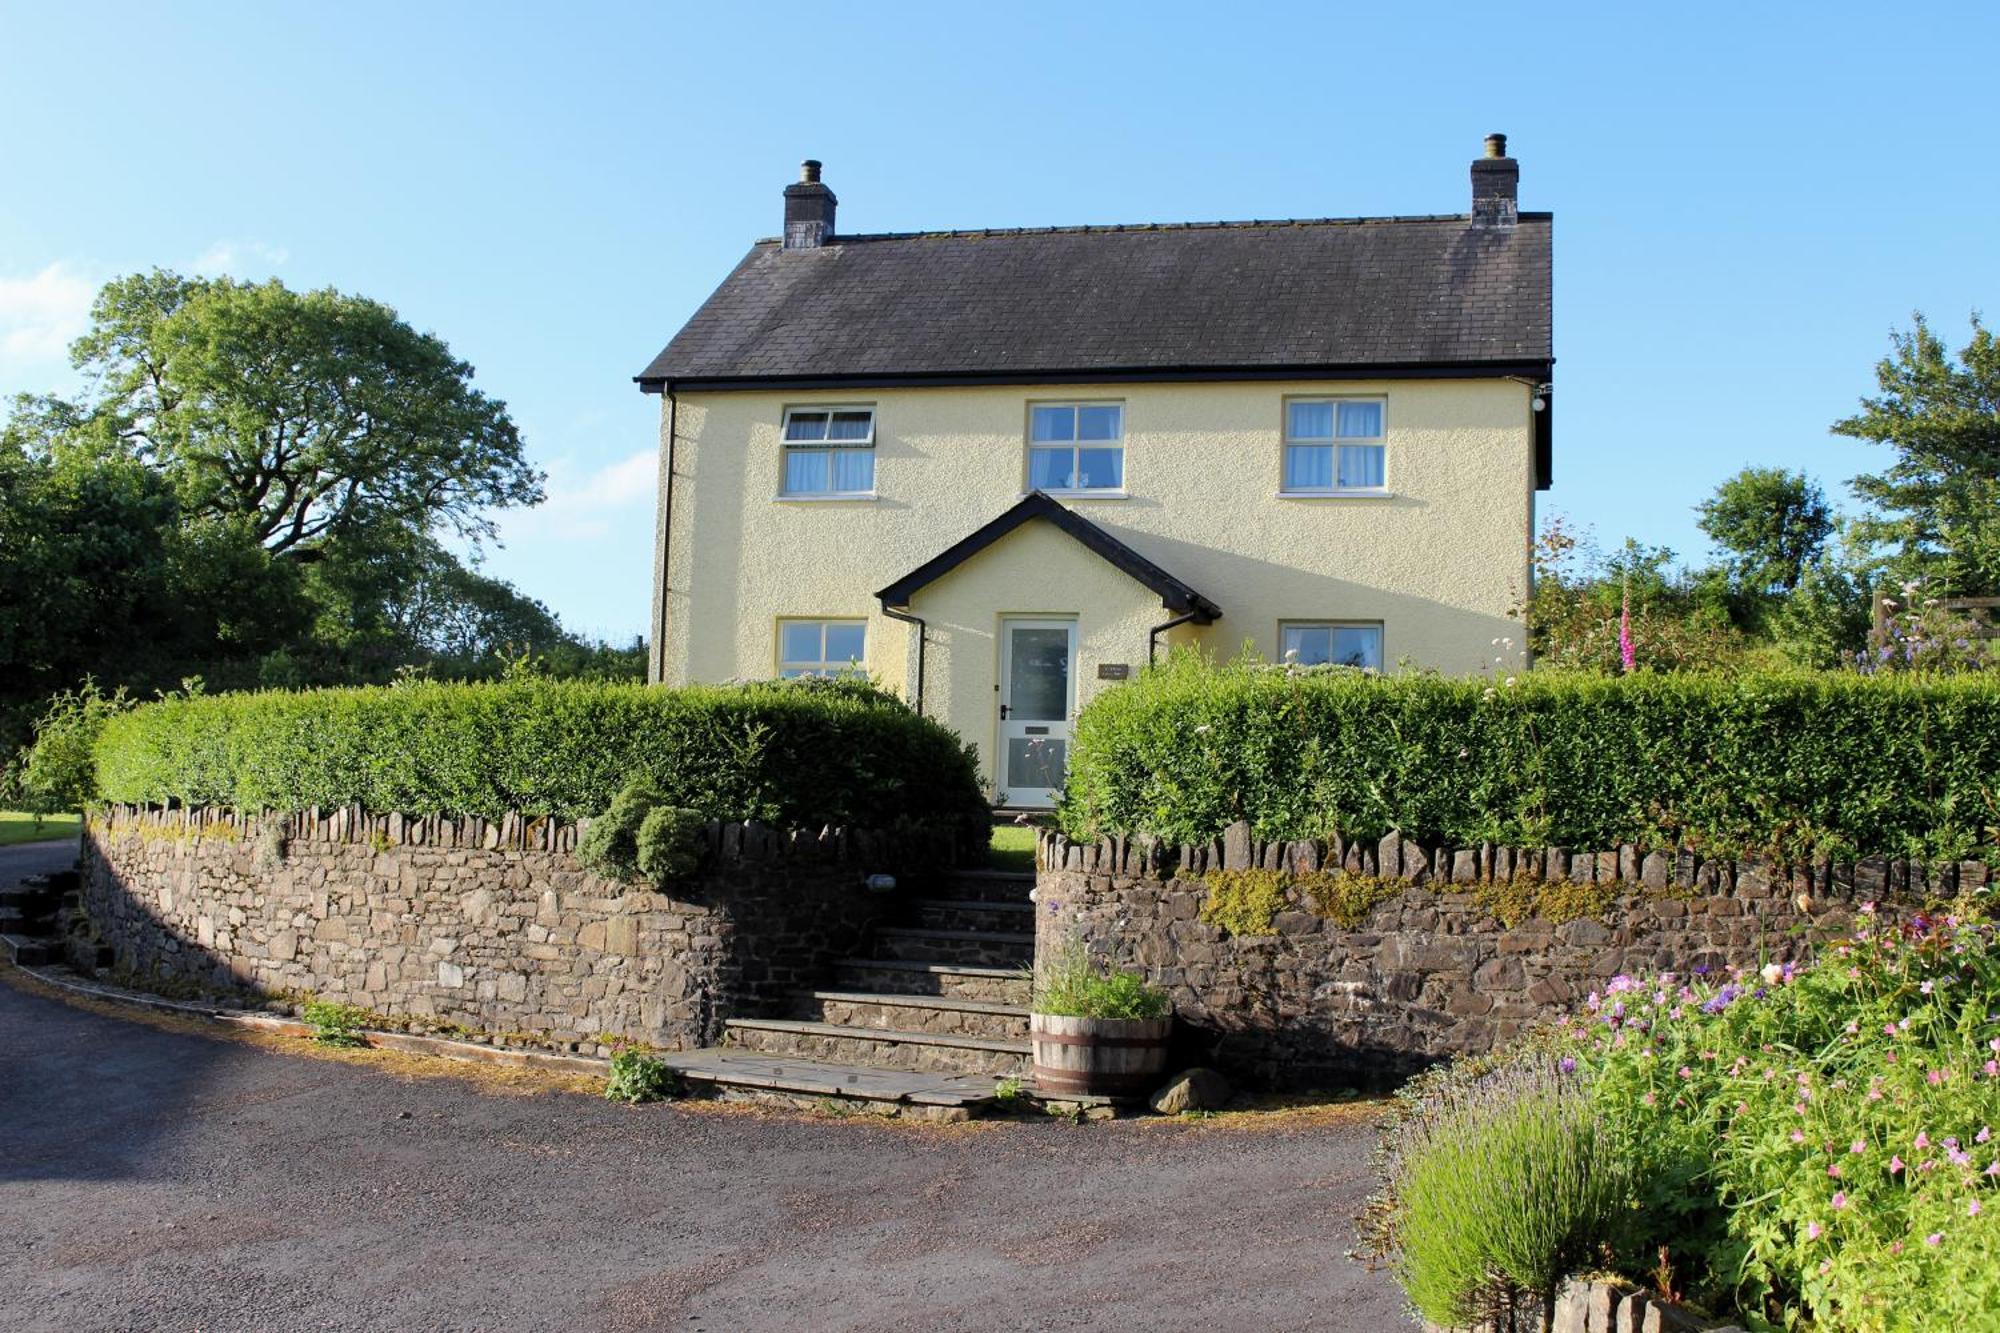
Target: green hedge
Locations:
point(1835, 763)
point(794, 754)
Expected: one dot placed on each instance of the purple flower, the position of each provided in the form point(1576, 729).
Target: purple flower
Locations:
point(1568, 1064)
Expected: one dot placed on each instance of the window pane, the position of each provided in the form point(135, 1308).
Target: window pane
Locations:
point(1361, 465)
point(805, 472)
point(1306, 645)
point(845, 643)
point(1098, 423)
point(805, 426)
point(1101, 467)
point(1358, 646)
point(1054, 423)
point(1312, 421)
point(1308, 467)
point(799, 641)
point(1038, 674)
point(1048, 469)
point(1036, 761)
point(1361, 421)
point(853, 471)
point(851, 425)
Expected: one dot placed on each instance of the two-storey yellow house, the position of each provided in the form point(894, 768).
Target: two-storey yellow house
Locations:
point(1001, 470)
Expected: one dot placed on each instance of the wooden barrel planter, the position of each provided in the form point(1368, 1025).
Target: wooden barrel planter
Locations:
point(1098, 1057)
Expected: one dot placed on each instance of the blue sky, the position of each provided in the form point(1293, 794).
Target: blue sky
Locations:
point(1747, 198)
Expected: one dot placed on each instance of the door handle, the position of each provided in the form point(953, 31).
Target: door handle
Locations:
point(1004, 710)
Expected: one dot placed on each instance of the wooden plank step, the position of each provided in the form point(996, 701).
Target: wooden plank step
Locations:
point(816, 1078)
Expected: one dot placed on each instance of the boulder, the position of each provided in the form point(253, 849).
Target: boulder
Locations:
point(1195, 1090)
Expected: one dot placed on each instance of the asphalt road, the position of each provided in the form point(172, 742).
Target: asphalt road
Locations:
point(21, 859)
point(161, 1179)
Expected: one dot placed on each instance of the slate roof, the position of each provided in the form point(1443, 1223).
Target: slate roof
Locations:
point(1174, 595)
point(1394, 295)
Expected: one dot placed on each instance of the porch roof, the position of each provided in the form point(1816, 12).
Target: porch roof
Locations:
point(1175, 595)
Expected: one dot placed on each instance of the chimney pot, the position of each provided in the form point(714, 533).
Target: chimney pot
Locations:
point(809, 207)
point(1496, 186)
point(809, 169)
point(1496, 146)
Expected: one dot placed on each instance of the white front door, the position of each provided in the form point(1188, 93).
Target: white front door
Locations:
point(1037, 697)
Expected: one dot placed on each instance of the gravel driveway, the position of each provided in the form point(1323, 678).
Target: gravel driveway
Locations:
point(155, 1178)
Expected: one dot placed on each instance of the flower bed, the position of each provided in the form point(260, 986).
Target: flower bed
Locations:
point(1820, 1141)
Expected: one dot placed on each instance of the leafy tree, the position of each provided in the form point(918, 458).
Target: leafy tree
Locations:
point(298, 415)
point(1774, 524)
point(1580, 597)
point(1936, 509)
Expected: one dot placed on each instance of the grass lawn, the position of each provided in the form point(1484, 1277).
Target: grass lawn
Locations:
point(16, 827)
point(1013, 848)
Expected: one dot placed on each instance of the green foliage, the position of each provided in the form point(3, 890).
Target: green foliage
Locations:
point(1936, 509)
point(637, 1075)
point(610, 845)
point(1512, 901)
point(1345, 898)
point(1500, 1187)
point(791, 756)
point(669, 843)
point(1580, 597)
point(1070, 983)
point(58, 773)
point(1814, 1140)
point(1774, 524)
point(1792, 763)
point(335, 1024)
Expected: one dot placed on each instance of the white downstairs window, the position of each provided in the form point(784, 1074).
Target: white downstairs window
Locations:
point(1355, 643)
point(829, 451)
point(821, 648)
point(1334, 445)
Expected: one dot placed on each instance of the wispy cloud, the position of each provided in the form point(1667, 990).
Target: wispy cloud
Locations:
point(586, 502)
point(236, 258)
point(40, 315)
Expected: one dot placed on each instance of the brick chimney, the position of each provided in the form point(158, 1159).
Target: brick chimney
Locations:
point(809, 209)
point(1496, 186)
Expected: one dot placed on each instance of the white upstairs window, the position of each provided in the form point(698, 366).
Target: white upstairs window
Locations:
point(1333, 445)
point(829, 451)
point(821, 647)
point(1076, 447)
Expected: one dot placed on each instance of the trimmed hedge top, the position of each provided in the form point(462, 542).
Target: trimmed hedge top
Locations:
point(1791, 764)
point(798, 754)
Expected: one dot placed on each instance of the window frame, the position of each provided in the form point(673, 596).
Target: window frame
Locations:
point(1381, 639)
point(1333, 443)
point(787, 446)
point(1076, 447)
point(822, 666)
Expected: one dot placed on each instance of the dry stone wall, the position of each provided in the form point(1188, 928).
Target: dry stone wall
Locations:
point(1429, 972)
point(491, 926)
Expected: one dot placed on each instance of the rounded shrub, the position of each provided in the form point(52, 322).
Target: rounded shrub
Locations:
point(669, 843)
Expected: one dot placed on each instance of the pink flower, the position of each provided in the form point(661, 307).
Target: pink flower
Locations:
point(1812, 1231)
point(1833, 1169)
point(1923, 1139)
point(1858, 1148)
point(1896, 1166)
point(1798, 1136)
point(1685, 1072)
point(1839, 1199)
point(1985, 1133)
point(1825, 1267)
point(1973, 1209)
point(1935, 1239)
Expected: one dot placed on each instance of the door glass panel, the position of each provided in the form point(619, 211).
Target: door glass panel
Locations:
point(1037, 675)
point(1036, 761)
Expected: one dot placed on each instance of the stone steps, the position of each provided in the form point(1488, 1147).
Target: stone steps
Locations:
point(881, 1048)
point(916, 1013)
point(974, 914)
point(984, 948)
point(1000, 886)
point(901, 976)
point(27, 951)
point(809, 1084)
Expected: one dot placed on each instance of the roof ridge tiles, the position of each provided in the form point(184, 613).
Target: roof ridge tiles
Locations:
point(1106, 228)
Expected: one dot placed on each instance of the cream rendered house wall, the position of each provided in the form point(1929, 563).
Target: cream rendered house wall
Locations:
point(1439, 561)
